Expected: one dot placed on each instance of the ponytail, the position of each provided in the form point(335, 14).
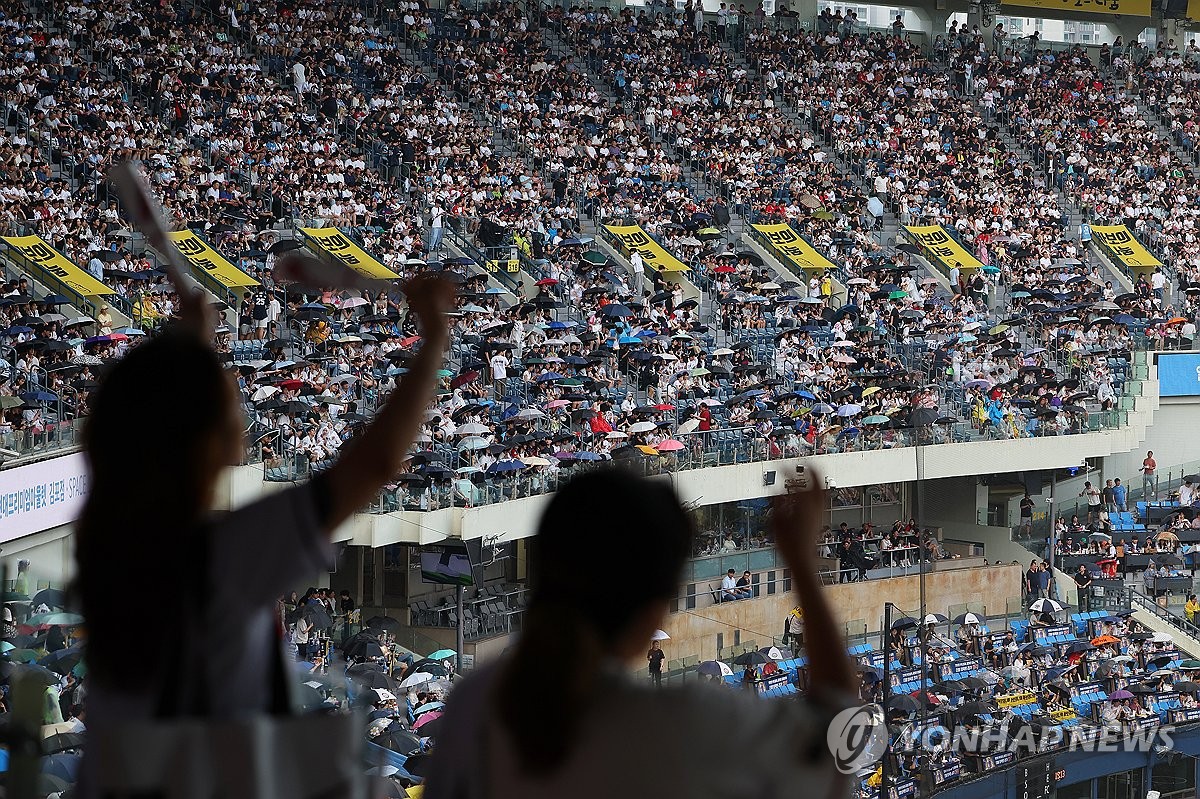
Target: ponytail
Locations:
point(543, 735)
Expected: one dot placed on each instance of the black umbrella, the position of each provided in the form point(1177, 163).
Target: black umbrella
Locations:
point(62, 742)
point(750, 659)
point(51, 597)
point(370, 679)
point(923, 416)
point(1141, 689)
point(973, 709)
point(318, 616)
point(386, 622)
point(904, 622)
point(903, 702)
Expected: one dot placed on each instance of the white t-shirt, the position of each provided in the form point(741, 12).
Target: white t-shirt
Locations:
point(499, 367)
point(244, 583)
point(662, 738)
point(635, 261)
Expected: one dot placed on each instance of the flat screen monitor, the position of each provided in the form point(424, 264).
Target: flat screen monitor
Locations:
point(446, 568)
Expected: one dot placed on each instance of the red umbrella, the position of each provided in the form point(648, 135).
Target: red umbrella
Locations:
point(463, 379)
point(725, 269)
point(664, 407)
point(408, 342)
point(292, 385)
point(546, 281)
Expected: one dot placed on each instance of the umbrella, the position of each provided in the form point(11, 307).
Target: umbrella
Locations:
point(904, 622)
point(660, 635)
point(416, 678)
point(1121, 694)
point(1104, 639)
point(903, 702)
point(714, 668)
point(1045, 606)
point(387, 623)
point(62, 742)
point(968, 618)
point(934, 618)
point(50, 597)
point(750, 659)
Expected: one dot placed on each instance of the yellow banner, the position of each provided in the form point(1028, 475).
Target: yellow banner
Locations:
point(943, 247)
point(204, 258)
point(1062, 714)
point(653, 255)
point(794, 249)
point(336, 243)
point(1193, 9)
point(1129, 8)
point(38, 251)
point(1013, 700)
point(1121, 244)
point(510, 265)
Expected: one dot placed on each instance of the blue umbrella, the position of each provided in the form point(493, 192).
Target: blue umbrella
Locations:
point(17, 330)
point(556, 325)
point(616, 311)
point(588, 456)
point(501, 467)
point(39, 396)
point(629, 340)
point(549, 376)
point(55, 299)
point(442, 654)
point(64, 766)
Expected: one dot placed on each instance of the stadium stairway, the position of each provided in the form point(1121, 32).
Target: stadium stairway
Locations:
point(785, 271)
point(1161, 620)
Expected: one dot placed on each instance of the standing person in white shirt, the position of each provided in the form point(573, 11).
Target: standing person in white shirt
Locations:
point(437, 219)
point(499, 363)
point(639, 272)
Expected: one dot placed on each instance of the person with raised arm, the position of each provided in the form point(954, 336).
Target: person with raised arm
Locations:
point(594, 728)
point(208, 639)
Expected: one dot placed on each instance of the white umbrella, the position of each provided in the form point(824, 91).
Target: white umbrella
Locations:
point(354, 302)
point(529, 413)
point(715, 668)
point(1045, 606)
point(772, 652)
point(1161, 638)
point(616, 434)
point(416, 679)
point(858, 281)
point(473, 429)
point(535, 461)
point(719, 351)
point(642, 427)
point(264, 392)
point(659, 635)
point(689, 426)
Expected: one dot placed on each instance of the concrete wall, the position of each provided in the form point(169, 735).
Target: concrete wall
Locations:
point(761, 619)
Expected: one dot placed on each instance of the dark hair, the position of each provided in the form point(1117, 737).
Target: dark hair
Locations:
point(574, 613)
point(146, 503)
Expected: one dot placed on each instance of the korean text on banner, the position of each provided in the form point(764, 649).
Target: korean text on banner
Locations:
point(205, 259)
point(792, 246)
point(1120, 243)
point(37, 250)
point(338, 244)
point(42, 495)
point(942, 246)
point(653, 255)
point(1128, 8)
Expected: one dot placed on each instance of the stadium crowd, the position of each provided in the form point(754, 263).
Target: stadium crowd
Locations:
point(251, 123)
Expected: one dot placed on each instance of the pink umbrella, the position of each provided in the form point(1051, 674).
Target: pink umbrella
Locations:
point(425, 718)
point(556, 404)
point(670, 445)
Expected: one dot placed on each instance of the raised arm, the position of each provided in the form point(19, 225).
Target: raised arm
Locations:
point(370, 460)
point(795, 522)
point(195, 314)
